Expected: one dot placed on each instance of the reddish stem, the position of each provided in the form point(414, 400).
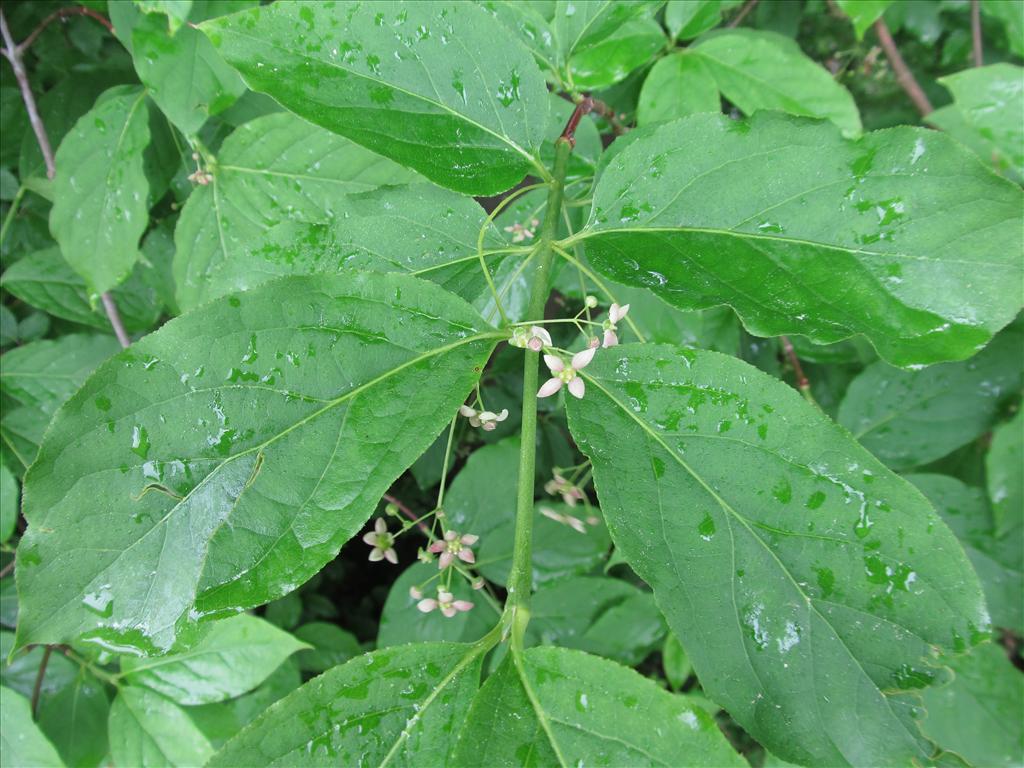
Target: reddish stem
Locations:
point(110, 307)
point(61, 13)
point(801, 380)
point(407, 512)
point(583, 107)
point(903, 74)
point(38, 687)
point(747, 8)
point(979, 57)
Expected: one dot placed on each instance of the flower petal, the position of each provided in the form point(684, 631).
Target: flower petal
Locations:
point(448, 611)
point(437, 546)
point(610, 339)
point(541, 333)
point(469, 539)
point(415, 594)
point(554, 363)
point(462, 605)
point(380, 526)
point(391, 556)
point(582, 359)
point(443, 596)
point(549, 387)
point(577, 387)
point(427, 605)
point(466, 411)
point(467, 556)
point(370, 538)
point(503, 415)
point(376, 554)
point(445, 560)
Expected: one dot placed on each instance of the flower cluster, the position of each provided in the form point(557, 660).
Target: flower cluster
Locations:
point(445, 602)
point(571, 493)
point(487, 420)
point(521, 233)
point(572, 521)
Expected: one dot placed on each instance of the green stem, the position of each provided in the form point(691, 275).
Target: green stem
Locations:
point(11, 213)
point(521, 577)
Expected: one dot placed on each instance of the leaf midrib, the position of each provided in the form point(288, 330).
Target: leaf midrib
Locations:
point(444, 107)
point(160, 524)
point(726, 507)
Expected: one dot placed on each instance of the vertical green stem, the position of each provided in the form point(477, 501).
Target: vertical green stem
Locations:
point(521, 577)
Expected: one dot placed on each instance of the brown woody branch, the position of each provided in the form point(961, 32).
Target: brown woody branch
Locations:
point(976, 45)
point(13, 53)
point(904, 76)
point(63, 13)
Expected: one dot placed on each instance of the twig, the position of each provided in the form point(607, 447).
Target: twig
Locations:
point(61, 13)
point(979, 58)
point(801, 379)
point(13, 53)
point(583, 107)
point(407, 512)
point(747, 8)
point(903, 74)
point(39, 679)
point(115, 319)
point(7, 568)
point(602, 109)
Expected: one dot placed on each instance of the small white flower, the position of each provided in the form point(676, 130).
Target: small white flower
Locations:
point(570, 493)
point(382, 543)
point(615, 314)
point(446, 602)
point(488, 420)
point(566, 374)
point(520, 232)
point(535, 338)
point(452, 546)
point(415, 593)
point(573, 522)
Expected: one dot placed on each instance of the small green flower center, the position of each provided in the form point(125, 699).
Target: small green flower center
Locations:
point(454, 546)
point(567, 374)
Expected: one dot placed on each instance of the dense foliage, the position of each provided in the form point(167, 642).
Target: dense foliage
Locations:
point(549, 382)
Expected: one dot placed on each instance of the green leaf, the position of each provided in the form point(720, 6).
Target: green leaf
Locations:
point(603, 616)
point(176, 11)
point(687, 19)
point(100, 190)
point(756, 69)
point(1004, 470)
point(418, 229)
point(9, 503)
point(778, 549)
point(75, 720)
point(43, 374)
point(674, 662)
point(210, 87)
point(236, 450)
point(233, 657)
point(677, 86)
point(991, 102)
point(148, 730)
point(220, 721)
point(565, 707)
point(863, 13)
point(22, 744)
point(46, 281)
point(402, 704)
point(330, 646)
point(980, 715)
point(436, 87)
point(997, 558)
point(400, 622)
point(1011, 16)
point(909, 418)
point(613, 58)
point(901, 236)
point(272, 169)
